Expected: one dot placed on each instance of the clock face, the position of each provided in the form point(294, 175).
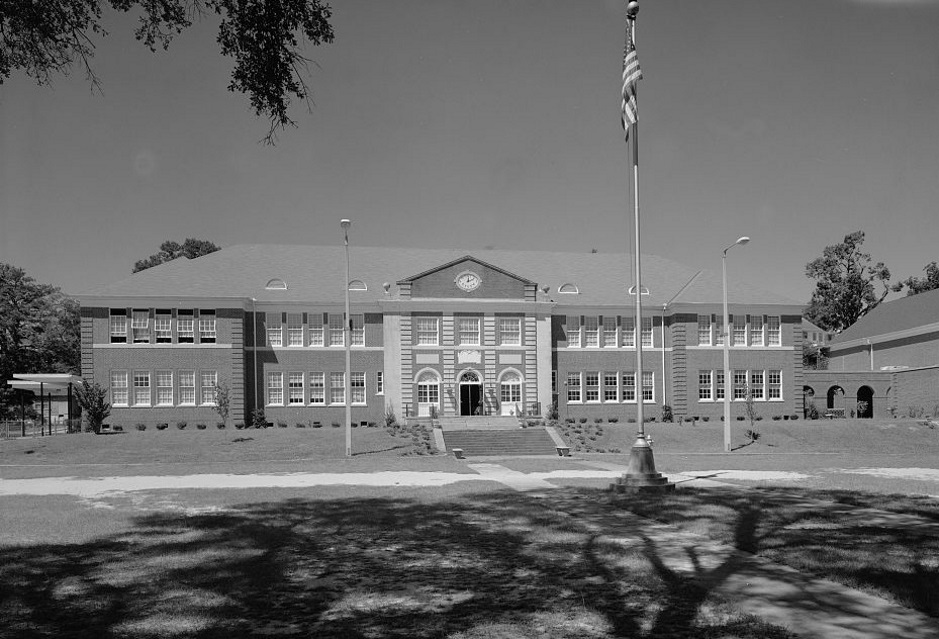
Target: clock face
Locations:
point(468, 281)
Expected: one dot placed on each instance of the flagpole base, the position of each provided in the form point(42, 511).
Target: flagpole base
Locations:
point(640, 474)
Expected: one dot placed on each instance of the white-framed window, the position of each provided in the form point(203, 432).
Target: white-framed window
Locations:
point(646, 332)
point(119, 388)
point(209, 381)
point(609, 332)
point(773, 331)
point(704, 330)
point(629, 386)
point(756, 330)
point(648, 386)
point(592, 386)
point(164, 388)
point(185, 327)
point(740, 384)
point(468, 331)
point(118, 326)
point(295, 330)
point(316, 329)
point(140, 325)
point(295, 388)
point(336, 330)
point(380, 383)
point(510, 331)
point(719, 331)
point(591, 332)
point(207, 333)
point(163, 328)
point(317, 388)
point(337, 388)
point(573, 387)
point(705, 391)
point(610, 387)
point(275, 329)
point(428, 392)
point(275, 388)
point(740, 330)
point(141, 388)
point(628, 332)
point(554, 381)
point(358, 330)
point(573, 332)
point(357, 388)
point(510, 388)
point(719, 385)
point(756, 385)
point(187, 388)
point(428, 331)
point(774, 384)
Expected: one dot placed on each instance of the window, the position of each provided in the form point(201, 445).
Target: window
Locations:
point(774, 390)
point(295, 330)
point(336, 329)
point(294, 388)
point(573, 387)
point(629, 387)
point(740, 384)
point(141, 388)
point(316, 329)
point(647, 332)
point(164, 388)
point(719, 331)
point(140, 324)
point(629, 332)
point(592, 390)
point(427, 331)
point(163, 328)
point(275, 331)
point(187, 388)
point(317, 388)
point(704, 330)
point(705, 392)
point(591, 332)
point(207, 327)
point(185, 331)
point(610, 390)
point(648, 386)
point(756, 330)
point(380, 383)
point(118, 324)
point(510, 331)
point(573, 332)
point(119, 388)
point(209, 381)
point(554, 382)
point(468, 331)
point(772, 331)
point(510, 389)
point(609, 332)
point(740, 330)
point(358, 330)
point(756, 384)
point(275, 388)
point(719, 385)
point(428, 388)
point(337, 388)
point(357, 388)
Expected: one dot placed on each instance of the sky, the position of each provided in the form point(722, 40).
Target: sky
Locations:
point(495, 123)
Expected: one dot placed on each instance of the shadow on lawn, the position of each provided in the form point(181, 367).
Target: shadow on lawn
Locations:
point(486, 565)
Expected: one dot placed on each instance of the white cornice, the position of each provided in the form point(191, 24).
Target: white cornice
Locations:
point(925, 329)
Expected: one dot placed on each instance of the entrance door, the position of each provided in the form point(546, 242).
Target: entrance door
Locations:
point(470, 394)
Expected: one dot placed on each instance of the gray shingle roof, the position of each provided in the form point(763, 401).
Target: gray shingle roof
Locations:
point(897, 315)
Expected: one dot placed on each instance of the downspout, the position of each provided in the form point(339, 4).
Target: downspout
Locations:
point(254, 342)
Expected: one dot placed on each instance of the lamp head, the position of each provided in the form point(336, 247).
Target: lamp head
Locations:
point(743, 240)
point(632, 8)
point(345, 223)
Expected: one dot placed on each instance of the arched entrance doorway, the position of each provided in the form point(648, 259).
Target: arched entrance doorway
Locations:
point(471, 393)
point(835, 403)
point(865, 402)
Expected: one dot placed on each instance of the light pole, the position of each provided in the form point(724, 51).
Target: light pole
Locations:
point(347, 340)
point(728, 387)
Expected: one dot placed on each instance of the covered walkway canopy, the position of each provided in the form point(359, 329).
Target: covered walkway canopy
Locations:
point(45, 384)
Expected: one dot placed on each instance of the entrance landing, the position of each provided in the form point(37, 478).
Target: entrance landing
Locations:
point(484, 422)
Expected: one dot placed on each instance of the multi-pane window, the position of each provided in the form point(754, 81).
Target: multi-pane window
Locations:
point(719, 385)
point(294, 388)
point(554, 381)
point(719, 331)
point(573, 387)
point(573, 332)
point(468, 328)
point(295, 329)
point(317, 388)
point(510, 331)
point(629, 332)
point(756, 384)
point(428, 389)
point(428, 333)
point(275, 330)
point(592, 386)
point(648, 386)
point(591, 332)
point(207, 327)
point(163, 328)
point(510, 389)
point(118, 326)
point(141, 388)
point(209, 381)
point(610, 390)
point(740, 384)
point(609, 332)
point(337, 388)
point(772, 331)
point(275, 388)
point(316, 329)
point(704, 330)
point(358, 330)
point(774, 388)
point(629, 387)
point(740, 330)
point(647, 331)
point(185, 329)
point(380, 383)
point(357, 388)
point(756, 330)
point(187, 388)
point(119, 388)
point(140, 325)
point(164, 388)
point(705, 391)
point(336, 329)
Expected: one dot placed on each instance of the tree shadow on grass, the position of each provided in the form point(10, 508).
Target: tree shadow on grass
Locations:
point(484, 565)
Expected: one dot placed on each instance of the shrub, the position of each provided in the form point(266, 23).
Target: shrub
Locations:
point(569, 420)
point(91, 399)
point(631, 420)
point(141, 427)
point(118, 428)
point(222, 401)
point(613, 420)
point(759, 418)
point(181, 424)
point(200, 426)
point(336, 424)
point(317, 424)
point(162, 426)
point(239, 425)
point(220, 426)
point(752, 435)
point(372, 425)
point(812, 411)
point(299, 425)
point(667, 413)
point(740, 418)
point(281, 424)
point(583, 420)
point(597, 420)
point(257, 418)
point(793, 417)
point(390, 418)
point(705, 419)
point(785, 416)
point(776, 418)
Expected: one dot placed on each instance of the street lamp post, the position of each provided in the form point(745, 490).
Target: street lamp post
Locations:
point(728, 387)
point(347, 340)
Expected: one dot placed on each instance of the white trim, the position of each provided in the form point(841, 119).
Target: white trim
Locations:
point(885, 337)
point(136, 347)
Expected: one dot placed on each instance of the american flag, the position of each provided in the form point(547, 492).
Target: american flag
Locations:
point(631, 75)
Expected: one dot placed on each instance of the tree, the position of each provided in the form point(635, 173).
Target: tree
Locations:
point(190, 249)
point(916, 285)
point(223, 401)
point(91, 397)
point(845, 284)
point(43, 38)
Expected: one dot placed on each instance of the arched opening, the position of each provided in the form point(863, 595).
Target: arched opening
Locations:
point(865, 402)
point(809, 409)
point(471, 394)
point(428, 393)
point(510, 393)
point(835, 403)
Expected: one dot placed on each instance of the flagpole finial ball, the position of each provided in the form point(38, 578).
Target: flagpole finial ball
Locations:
point(632, 8)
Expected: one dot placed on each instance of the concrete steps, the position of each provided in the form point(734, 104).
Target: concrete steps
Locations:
point(485, 422)
point(521, 441)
